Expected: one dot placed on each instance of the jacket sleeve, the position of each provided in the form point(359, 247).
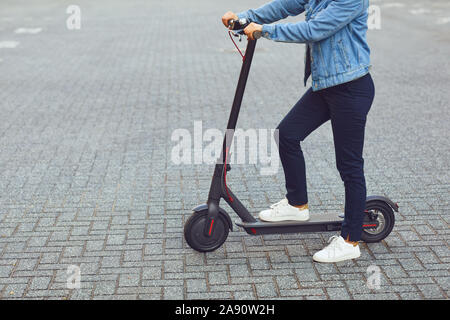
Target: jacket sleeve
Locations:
point(274, 11)
point(327, 22)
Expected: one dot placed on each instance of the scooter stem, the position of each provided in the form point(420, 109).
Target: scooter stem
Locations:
point(216, 191)
point(239, 94)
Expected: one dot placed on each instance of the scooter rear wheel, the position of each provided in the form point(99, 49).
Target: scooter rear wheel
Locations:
point(195, 236)
point(385, 217)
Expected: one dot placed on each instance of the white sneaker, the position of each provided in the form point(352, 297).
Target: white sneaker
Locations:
point(283, 211)
point(337, 250)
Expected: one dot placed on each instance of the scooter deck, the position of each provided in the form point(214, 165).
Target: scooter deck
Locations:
point(316, 223)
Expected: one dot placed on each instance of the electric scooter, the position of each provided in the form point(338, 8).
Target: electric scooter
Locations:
point(208, 227)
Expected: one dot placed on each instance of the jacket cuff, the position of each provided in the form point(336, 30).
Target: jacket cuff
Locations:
point(268, 31)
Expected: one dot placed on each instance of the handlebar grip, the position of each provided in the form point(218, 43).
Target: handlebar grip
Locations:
point(257, 35)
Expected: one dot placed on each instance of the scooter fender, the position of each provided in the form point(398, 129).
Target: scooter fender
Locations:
point(393, 205)
point(222, 211)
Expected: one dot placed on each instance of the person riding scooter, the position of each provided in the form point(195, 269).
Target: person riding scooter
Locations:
point(338, 61)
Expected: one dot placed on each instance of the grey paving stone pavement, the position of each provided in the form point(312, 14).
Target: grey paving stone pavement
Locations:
point(87, 178)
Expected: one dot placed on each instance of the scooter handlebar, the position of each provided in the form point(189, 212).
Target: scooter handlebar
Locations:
point(257, 34)
point(240, 25)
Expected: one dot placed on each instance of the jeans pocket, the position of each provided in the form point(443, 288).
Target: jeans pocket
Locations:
point(361, 84)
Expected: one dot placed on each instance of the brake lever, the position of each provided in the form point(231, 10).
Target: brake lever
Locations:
point(237, 34)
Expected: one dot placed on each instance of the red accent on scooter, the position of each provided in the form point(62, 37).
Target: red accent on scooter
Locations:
point(210, 227)
point(239, 50)
point(369, 225)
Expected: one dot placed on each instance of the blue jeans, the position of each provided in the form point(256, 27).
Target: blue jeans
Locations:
point(347, 106)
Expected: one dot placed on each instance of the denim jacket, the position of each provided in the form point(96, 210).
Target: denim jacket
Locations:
point(334, 31)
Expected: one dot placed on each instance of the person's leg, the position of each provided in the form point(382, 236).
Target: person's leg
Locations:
point(349, 105)
point(308, 114)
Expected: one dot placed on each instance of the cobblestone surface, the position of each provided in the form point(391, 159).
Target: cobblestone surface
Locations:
point(86, 176)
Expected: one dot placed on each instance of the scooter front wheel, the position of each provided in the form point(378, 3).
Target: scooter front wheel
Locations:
point(195, 235)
